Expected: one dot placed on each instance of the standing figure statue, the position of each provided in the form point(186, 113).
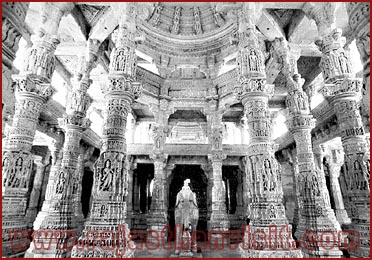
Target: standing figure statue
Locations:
point(186, 220)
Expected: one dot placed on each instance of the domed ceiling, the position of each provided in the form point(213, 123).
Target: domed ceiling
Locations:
point(186, 19)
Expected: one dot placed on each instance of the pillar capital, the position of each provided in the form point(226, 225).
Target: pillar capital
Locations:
point(159, 158)
point(25, 84)
point(78, 102)
point(217, 157)
point(323, 14)
point(70, 122)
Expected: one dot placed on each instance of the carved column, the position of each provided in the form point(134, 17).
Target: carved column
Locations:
point(157, 218)
point(359, 24)
point(317, 214)
point(65, 197)
point(33, 89)
point(160, 128)
point(41, 164)
point(334, 164)
point(13, 18)
point(219, 221)
point(344, 92)
point(110, 172)
point(56, 152)
point(263, 170)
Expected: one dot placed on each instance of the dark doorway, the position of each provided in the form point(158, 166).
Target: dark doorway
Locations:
point(198, 184)
point(86, 191)
point(141, 187)
point(230, 178)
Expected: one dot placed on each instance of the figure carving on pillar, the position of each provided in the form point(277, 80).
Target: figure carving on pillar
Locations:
point(186, 220)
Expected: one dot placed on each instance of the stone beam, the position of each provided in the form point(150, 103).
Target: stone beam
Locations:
point(296, 20)
point(187, 149)
point(64, 73)
point(269, 27)
point(81, 22)
point(104, 27)
point(283, 5)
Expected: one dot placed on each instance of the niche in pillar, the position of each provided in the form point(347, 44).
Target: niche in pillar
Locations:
point(142, 192)
point(86, 191)
point(198, 184)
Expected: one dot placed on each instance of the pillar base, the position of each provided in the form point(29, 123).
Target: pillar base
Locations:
point(362, 243)
point(342, 217)
point(157, 223)
point(329, 244)
point(88, 246)
point(15, 230)
point(296, 253)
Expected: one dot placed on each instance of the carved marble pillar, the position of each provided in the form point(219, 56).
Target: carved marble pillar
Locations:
point(160, 129)
point(157, 217)
point(317, 214)
point(13, 18)
point(63, 214)
point(41, 165)
point(344, 92)
point(110, 172)
point(32, 91)
point(263, 170)
point(56, 152)
point(17, 158)
point(219, 221)
point(359, 24)
point(334, 164)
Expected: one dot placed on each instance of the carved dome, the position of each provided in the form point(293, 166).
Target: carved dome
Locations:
point(186, 19)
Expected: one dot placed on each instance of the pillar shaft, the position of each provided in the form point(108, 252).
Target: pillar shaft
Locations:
point(341, 214)
point(344, 92)
point(157, 218)
point(32, 91)
point(359, 22)
point(41, 165)
point(263, 170)
point(219, 220)
point(63, 210)
point(315, 212)
point(13, 18)
point(110, 186)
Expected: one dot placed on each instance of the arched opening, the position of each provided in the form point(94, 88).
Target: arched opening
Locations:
point(198, 184)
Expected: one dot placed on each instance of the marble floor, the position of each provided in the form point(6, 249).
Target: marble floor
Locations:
point(204, 251)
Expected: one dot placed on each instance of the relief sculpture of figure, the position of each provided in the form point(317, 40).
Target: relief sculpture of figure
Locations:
point(106, 177)
point(186, 220)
